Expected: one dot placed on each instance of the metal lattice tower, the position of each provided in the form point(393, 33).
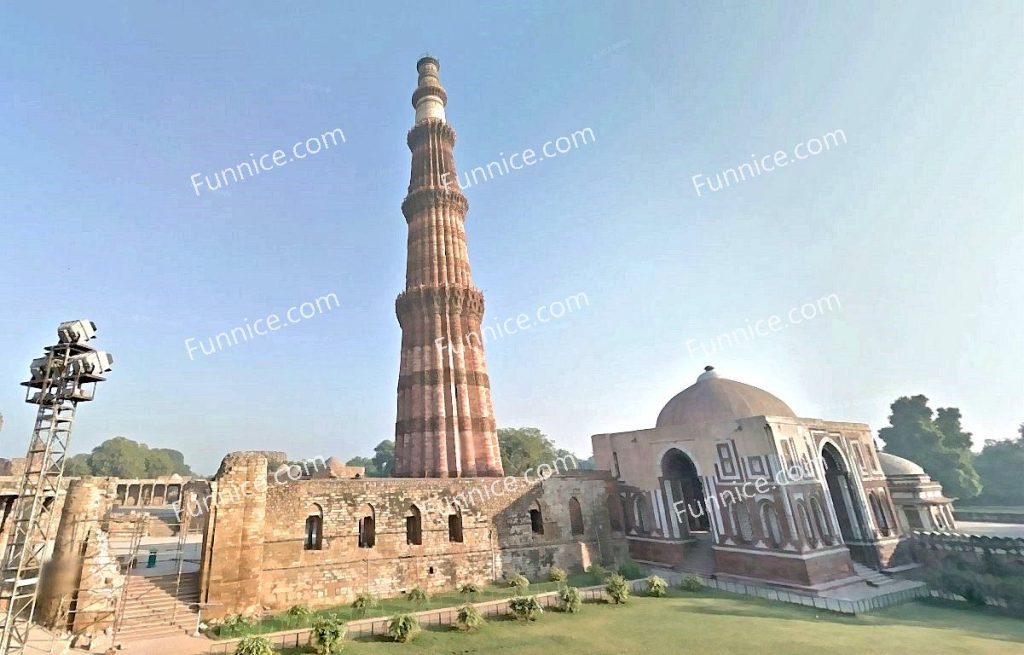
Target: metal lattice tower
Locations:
point(65, 376)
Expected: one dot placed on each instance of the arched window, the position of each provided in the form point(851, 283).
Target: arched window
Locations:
point(314, 529)
point(876, 509)
point(413, 527)
point(367, 529)
point(744, 529)
point(770, 523)
point(575, 516)
point(820, 522)
point(536, 519)
point(805, 524)
point(455, 527)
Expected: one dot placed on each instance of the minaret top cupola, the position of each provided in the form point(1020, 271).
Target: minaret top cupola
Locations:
point(429, 97)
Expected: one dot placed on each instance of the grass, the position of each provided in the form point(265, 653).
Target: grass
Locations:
point(390, 606)
point(725, 624)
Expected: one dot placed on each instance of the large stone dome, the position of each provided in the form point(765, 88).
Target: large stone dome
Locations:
point(893, 465)
point(713, 398)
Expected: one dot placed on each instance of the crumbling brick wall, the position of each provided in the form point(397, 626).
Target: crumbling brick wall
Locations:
point(497, 535)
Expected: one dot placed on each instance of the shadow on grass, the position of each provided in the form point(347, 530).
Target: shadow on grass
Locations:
point(983, 623)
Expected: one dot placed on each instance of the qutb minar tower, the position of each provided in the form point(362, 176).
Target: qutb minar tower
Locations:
point(445, 425)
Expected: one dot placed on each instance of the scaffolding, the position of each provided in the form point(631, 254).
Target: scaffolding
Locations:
point(57, 386)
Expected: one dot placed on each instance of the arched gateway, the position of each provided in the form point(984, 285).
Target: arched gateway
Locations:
point(687, 492)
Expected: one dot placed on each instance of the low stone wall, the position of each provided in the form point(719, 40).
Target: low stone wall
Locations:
point(931, 548)
point(981, 516)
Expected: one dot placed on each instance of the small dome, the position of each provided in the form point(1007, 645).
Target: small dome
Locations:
point(893, 465)
point(713, 398)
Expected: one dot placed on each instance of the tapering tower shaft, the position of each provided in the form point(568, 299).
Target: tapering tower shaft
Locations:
point(445, 425)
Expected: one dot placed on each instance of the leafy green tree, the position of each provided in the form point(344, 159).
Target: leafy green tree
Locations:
point(1000, 464)
point(177, 460)
point(125, 458)
point(366, 463)
point(940, 445)
point(118, 457)
point(77, 465)
point(524, 448)
point(384, 459)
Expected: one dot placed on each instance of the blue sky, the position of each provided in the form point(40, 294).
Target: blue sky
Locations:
point(915, 223)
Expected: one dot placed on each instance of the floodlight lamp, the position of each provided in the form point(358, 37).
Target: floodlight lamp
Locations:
point(96, 362)
point(78, 331)
point(38, 368)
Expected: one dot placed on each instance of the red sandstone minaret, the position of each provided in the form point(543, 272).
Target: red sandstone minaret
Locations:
point(445, 424)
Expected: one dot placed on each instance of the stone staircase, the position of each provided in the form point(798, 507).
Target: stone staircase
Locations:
point(871, 576)
point(152, 609)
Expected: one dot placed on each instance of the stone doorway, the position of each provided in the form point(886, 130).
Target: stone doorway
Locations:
point(843, 497)
point(686, 491)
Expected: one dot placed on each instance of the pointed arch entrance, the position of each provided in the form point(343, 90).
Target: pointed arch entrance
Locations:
point(842, 493)
point(686, 490)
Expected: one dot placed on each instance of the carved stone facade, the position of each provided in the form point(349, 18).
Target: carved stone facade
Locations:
point(730, 469)
point(445, 426)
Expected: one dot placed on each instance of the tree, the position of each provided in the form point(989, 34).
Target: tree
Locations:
point(940, 446)
point(366, 463)
point(384, 458)
point(124, 458)
point(177, 460)
point(524, 448)
point(1000, 464)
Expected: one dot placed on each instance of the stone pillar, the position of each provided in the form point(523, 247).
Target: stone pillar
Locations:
point(233, 552)
point(79, 524)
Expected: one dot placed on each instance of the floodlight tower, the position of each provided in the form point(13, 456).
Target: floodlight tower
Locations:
point(64, 376)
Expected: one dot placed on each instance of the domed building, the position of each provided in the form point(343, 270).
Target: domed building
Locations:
point(920, 503)
point(731, 481)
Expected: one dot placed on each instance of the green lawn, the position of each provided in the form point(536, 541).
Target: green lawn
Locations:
point(723, 624)
point(392, 606)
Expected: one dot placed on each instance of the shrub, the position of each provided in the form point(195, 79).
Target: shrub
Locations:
point(617, 588)
point(327, 634)
point(469, 588)
point(417, 595)
point(525, 608)
point(598, 572)
point(631, 570)
point(403, 628)
point(656, 586)
point(362, 603)
point(519, 582)
point(572, 600)
point(468, 618)
point(691, 583)
point(254, 646)
point(235, 625)
point(556, 574)
point(299, 614)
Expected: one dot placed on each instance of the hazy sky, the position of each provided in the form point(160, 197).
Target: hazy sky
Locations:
point(916, 222)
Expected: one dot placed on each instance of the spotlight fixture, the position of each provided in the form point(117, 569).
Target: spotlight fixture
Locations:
point(96, 362)
point(78, 331)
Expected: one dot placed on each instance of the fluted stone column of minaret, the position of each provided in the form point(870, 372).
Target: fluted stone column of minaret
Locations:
point(445, 425)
